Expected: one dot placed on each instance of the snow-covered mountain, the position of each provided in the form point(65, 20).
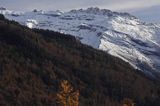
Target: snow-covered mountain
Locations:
point(119, 34)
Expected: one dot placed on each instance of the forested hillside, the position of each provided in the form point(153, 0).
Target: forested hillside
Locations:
point(37, 65)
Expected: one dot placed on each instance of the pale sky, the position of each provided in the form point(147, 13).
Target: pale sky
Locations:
point(147, 10)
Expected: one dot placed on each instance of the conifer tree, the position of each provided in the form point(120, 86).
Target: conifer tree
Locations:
point(67, 96)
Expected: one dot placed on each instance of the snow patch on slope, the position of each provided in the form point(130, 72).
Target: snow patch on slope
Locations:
point(31, 23)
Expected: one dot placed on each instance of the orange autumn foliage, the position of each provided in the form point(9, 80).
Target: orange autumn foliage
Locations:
point(128, 102)
point(67, 96)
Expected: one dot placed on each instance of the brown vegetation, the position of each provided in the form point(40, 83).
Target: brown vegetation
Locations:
point(67, 96)
point(128, 102)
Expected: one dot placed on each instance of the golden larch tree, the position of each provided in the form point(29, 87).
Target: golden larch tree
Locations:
point(128, 102)
point(67, 96)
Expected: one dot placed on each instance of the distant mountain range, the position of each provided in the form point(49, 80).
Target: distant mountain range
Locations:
point(119, 34)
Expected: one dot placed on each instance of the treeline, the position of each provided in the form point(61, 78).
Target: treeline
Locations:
point(33, 63)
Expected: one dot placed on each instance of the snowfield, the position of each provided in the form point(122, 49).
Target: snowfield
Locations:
point(120, 34)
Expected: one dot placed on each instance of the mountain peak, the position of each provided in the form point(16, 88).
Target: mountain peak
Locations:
point(93, 10)
point(98, 11)
point(2, 8)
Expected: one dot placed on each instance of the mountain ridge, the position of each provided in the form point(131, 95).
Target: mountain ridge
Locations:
point(119, 34)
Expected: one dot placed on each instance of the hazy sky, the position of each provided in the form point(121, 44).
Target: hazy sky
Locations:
point(140, 8)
